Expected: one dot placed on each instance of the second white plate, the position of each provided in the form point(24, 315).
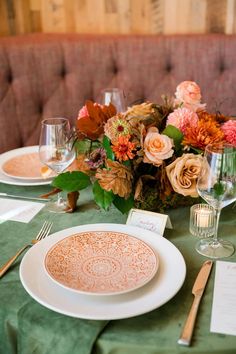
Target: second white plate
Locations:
point(4, 178)
point(165, 284)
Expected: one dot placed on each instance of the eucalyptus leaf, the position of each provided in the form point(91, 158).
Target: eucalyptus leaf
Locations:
point(71, 181)
point(102, 197)
point(124, 205)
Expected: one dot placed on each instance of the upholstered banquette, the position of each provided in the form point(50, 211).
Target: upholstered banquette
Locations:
point(43, 75)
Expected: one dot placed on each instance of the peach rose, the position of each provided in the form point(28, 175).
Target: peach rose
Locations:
point(183, 174)
point(189, 93)
point(157, 147)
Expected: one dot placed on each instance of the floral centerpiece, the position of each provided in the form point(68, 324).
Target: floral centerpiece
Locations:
point(149, 156)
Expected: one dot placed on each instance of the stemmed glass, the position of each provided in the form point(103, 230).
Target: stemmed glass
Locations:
point(217, 186)
point(114, 96)
point(56, 151)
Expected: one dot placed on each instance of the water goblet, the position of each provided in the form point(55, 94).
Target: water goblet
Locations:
point(201, 224)
point(56, 151)
point(217, 186)
point(114, 96)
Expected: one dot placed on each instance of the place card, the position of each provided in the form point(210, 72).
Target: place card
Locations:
point(149, 220)
point(223, 316)
point(18, 210)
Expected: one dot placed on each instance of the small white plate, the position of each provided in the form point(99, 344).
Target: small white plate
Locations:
point(164, 285)
point(101, 262)
point(17, 180)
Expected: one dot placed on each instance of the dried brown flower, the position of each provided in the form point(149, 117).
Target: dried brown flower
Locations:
point(116, 178)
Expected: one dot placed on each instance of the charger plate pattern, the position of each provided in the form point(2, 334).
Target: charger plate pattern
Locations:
point(101, 262)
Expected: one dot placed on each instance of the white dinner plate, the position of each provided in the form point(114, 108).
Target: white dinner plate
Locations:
point(163, 286)
point(6, 156)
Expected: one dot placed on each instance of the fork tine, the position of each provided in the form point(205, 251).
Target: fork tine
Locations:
point(48, 229)
point(41, 231)
point(44, 231)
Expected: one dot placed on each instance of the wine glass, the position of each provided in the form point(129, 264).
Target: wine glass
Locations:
point(116, 97)
point(56, 151)
point(217, 186)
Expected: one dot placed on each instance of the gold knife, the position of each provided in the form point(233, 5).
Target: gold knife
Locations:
point(197, 291)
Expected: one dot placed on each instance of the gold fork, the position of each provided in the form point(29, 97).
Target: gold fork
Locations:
point(44, 231)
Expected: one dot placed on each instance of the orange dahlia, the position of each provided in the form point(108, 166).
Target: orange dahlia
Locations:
point(218, 118)
point(204, 133)
point(124, 148)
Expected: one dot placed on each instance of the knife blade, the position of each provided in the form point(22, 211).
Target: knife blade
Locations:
point(197, 291)
point(23, 197)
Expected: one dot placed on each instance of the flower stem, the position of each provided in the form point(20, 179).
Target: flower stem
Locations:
point(90, 146)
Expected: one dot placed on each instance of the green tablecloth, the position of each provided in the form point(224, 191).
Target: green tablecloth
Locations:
point(27, 327)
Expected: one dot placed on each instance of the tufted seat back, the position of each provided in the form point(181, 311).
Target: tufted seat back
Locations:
point(43, 75)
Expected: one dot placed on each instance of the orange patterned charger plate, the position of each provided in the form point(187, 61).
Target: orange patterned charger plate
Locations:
point(101, 262)
point(27, 166)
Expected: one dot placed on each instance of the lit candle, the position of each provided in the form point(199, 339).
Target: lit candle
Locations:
point(203, 218)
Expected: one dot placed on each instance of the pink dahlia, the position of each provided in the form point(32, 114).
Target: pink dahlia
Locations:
point(182, 118)
point(229, 129)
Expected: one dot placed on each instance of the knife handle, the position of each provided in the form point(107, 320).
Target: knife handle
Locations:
point(186, 335)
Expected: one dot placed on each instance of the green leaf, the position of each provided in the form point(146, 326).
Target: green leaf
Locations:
point(219, 189)
point(85, 145)
point(175, 134)
point(82, 146)
point(198, 151)
point(102, 197)
point(124, 205)
point(127, 163)
point(107, 146)
point(71, 181)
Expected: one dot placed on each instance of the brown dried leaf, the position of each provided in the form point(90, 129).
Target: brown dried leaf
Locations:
point(117, 178)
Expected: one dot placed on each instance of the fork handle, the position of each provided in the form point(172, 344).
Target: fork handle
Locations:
point(7, 265)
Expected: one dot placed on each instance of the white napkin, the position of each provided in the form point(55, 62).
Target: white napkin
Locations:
point(18, 210)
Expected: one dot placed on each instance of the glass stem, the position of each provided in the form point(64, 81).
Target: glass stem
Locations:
point(217, 218)
point(59, 198)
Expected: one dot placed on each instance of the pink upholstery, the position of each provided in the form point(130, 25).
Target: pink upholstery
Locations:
point(52, 75)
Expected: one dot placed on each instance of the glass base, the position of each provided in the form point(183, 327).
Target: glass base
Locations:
point(215, 249)
point(59, 206)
